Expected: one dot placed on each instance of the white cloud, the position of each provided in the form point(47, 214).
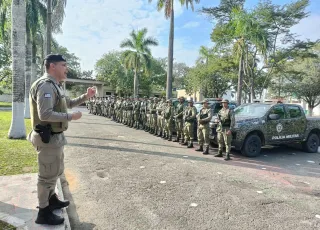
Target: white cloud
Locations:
point(191, 25)
point(94, 27)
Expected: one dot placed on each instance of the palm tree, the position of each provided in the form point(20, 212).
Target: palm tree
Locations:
point(18, 33)
point(35, 16)
point(168, 6)
point(138, 56)
point(205, 54)
point(55, 15)
point(251, 38)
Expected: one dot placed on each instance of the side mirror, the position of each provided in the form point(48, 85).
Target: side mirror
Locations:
point(274, 116)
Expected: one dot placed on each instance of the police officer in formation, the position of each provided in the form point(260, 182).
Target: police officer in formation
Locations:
point(158, 116)
point(203, 118)
point(226, 123)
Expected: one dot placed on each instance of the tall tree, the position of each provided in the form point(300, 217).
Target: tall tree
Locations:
point(138, 56)
point(168, 6)
point(18, 17)
point(55, 15)
point(35, 16)
point(299, 76)
point(49, 26)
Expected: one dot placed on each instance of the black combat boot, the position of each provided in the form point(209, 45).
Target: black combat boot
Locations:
point(190, 145)
point(160, 134)
point(206, 151)
point(219, 154)
point(170, 138)
point(45, 216)
point(183, 142)
point(55, 203)
point(227, 157)
point(200, 149)
point(176, 140)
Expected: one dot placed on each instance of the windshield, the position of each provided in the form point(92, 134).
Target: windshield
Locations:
point(198, 106)
point(252, 110)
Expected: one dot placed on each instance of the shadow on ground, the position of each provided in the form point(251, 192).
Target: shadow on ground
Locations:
point(273, 161)
point(75, 222)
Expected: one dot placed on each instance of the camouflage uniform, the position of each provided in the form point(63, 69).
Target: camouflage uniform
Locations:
point(168, 116)
point(130, 113)
point(226, 122)
point(149, 105)
point(125, 112)
point(179, 120)
point(203, 118)
point(136, 108)
point(160, 117)
point(153, 116)
point(143, 114)
point(189, 117)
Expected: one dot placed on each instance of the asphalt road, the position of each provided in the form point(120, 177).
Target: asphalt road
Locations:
point(122, 178)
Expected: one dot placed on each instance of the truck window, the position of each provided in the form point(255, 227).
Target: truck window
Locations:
point(278, 109)
point(217, 107)
point(294, 111)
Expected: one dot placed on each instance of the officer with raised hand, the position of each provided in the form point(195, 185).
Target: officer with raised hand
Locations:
point(49, 119)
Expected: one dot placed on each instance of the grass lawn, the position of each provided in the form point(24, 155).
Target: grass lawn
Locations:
point(5, 226)
point(5, 104)
point(16, 156)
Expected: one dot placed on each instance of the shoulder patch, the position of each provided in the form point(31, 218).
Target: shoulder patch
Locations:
point(47, 95)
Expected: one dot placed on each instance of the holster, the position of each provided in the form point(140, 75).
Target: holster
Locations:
point(44, 132)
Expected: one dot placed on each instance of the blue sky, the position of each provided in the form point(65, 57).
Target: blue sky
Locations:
point(94, 27)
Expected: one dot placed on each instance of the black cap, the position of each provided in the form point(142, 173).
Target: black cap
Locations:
point(54, 58)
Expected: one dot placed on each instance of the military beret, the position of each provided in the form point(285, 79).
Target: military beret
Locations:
point(54, 58)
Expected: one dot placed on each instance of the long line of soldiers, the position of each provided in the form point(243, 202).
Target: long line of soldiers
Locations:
point(159, 117)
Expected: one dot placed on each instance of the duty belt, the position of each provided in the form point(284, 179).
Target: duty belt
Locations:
point(52, 133)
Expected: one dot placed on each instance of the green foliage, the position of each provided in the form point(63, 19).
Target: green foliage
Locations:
point(111, 70)
point(214, 78)
point(16, 156)
point(253, 35)
point(74, 70)
point(180, 71)
point(138, 51)
point(300, 75)
point(5, 80)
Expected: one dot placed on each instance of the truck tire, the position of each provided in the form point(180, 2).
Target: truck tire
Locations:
point(311, 144)
point(251, 146)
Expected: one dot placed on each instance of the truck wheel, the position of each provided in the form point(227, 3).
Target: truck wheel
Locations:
point(251, 146)
point(311, 144)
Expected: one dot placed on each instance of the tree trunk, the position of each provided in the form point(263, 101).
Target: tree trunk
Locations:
point(170, 55)
point(18, 48)
point(34, 63)
point(135, 84)
point(27, 77)
point(310, 109)
point(240, 80)
point(49, 25)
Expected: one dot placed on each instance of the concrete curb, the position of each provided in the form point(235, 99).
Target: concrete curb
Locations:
point(64, 211)
point(18, 201)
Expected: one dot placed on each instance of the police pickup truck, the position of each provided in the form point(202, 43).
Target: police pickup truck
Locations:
point(259, 124)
